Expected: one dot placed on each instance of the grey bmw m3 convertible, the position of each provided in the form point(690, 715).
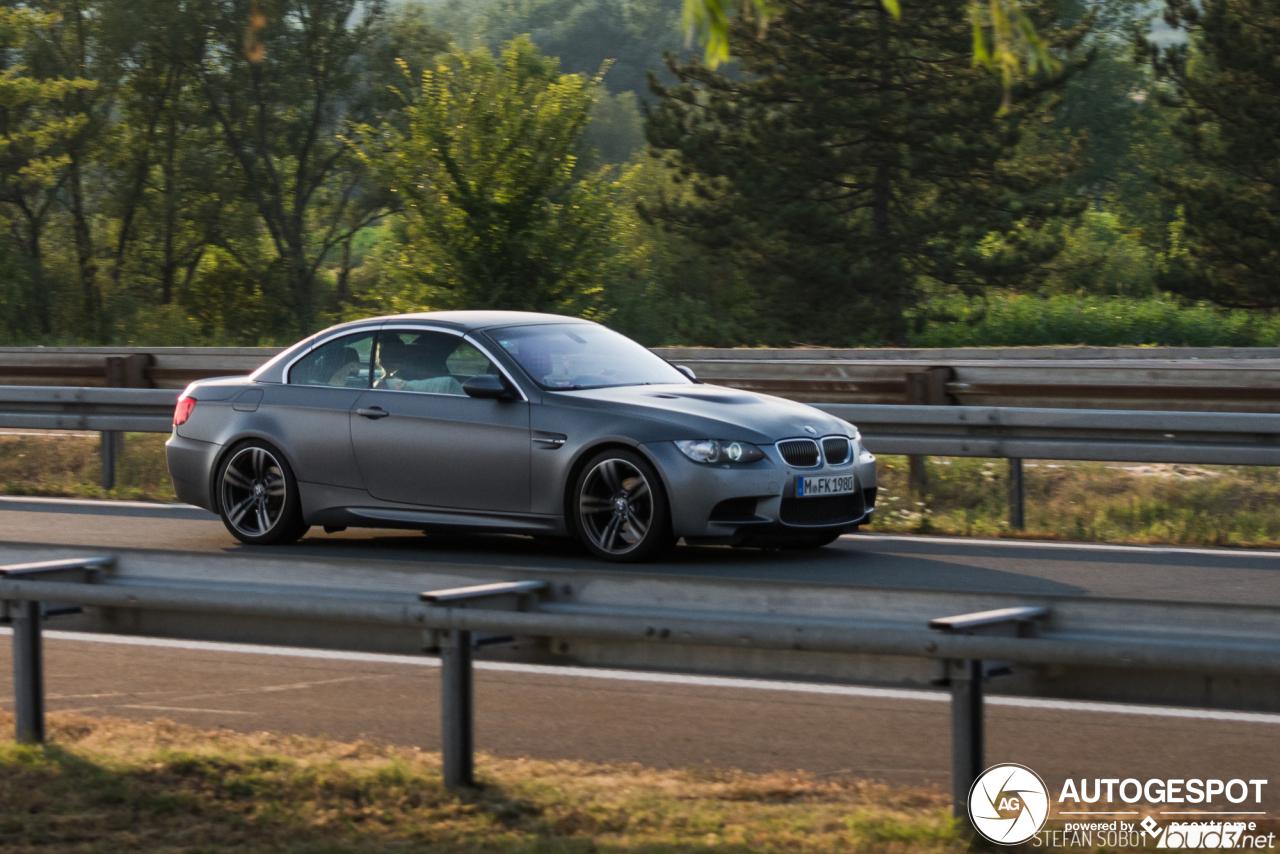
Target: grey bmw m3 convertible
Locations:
point(512, 422)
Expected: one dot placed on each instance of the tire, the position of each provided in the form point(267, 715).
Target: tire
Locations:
point(619, 510)
point(257, 496)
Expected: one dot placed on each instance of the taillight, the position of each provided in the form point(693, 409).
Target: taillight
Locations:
point(183, 411)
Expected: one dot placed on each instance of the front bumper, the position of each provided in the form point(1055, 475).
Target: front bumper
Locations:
point(732, 503)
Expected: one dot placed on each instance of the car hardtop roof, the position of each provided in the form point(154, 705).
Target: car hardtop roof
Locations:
point(470, 320)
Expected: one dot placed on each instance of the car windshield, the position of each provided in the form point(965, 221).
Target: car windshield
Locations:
point(578, 355)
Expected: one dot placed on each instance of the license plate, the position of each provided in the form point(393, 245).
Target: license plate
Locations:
point(811, 486)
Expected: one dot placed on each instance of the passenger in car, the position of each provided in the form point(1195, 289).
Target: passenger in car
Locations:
point(419, 366)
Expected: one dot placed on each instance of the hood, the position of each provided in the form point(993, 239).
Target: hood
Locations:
point(713, 412)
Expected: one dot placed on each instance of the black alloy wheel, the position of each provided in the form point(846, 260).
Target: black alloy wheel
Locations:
point(258, 496)
point(620, 509)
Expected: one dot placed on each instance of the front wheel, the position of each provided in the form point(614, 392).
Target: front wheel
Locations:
point(620, 511)
point(258, 496)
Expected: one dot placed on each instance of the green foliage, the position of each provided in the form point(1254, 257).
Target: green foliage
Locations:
point(174, 172)
point(1016, 320)
point(197, 190)
point(496, 215)
point(38, 128)
point(1227, 89)
point(630, 35)
point(616, 130)
point(886, 164)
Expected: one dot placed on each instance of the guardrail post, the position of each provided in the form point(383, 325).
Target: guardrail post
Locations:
point(110, 450)
point(28, 672)
point(965, 677)
point(457, 690)
point(925, 387)
point(1017, 495)
point(457, 709)
point(26, 617)
point(967, 730)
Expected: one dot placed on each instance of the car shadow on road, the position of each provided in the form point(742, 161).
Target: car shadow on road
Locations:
point(846, 562)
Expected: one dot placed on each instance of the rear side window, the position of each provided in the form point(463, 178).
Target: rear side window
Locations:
point(341, 363)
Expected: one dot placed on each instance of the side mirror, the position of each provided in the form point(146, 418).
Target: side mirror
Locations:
point(687, 371)
point(486, 386)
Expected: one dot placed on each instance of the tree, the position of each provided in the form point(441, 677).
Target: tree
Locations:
point(630, 35)
point(1226, 86)
point(494, 212)
point(858, 154)
point(281, 81)
point(1004, 35)
point(37, 127)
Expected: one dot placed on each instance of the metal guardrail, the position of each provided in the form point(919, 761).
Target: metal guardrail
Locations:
point(126, 367)
point(450, 618)
point(1157, 378)
point(1080, 379)
point(1012, 433)
point(124, 410)
point(1214, 438)
point(1225, 438)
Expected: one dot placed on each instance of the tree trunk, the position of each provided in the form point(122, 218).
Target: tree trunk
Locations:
point(168, 263)
point(90, 293)
point(344, 274)
point(891, 283)
point(29, 245)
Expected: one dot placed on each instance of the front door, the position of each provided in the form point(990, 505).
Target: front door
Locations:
point(419, 439)
point(311, 409)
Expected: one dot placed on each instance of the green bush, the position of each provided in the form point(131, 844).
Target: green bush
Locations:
point(1017, 320)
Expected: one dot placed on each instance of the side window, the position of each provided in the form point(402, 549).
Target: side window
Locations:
point(466, 362)
point(430, 362)
point(341, 363)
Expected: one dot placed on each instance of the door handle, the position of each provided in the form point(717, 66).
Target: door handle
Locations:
point(374, 412)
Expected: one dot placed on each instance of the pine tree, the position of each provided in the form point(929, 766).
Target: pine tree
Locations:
point(855, 154)
point(1226, 81)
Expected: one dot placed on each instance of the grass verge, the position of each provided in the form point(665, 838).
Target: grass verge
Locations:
point(108, 785)
point(1098, 502)
point(71, 467)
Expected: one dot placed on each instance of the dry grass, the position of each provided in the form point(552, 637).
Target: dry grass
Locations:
point(1101, 502)
point(107, 785)
point(71, 466)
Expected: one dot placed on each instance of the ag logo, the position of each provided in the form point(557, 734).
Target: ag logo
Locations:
point(1008, 804)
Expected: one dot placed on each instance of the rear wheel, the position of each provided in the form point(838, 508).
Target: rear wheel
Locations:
point(619, 509)
point(258, 496)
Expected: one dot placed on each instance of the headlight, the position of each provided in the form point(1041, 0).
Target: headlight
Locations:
point(717, 451)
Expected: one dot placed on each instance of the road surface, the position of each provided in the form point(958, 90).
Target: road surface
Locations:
point(955, 564)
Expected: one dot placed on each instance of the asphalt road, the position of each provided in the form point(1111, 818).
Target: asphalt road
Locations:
point(1009, 566)
point(664, 722)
